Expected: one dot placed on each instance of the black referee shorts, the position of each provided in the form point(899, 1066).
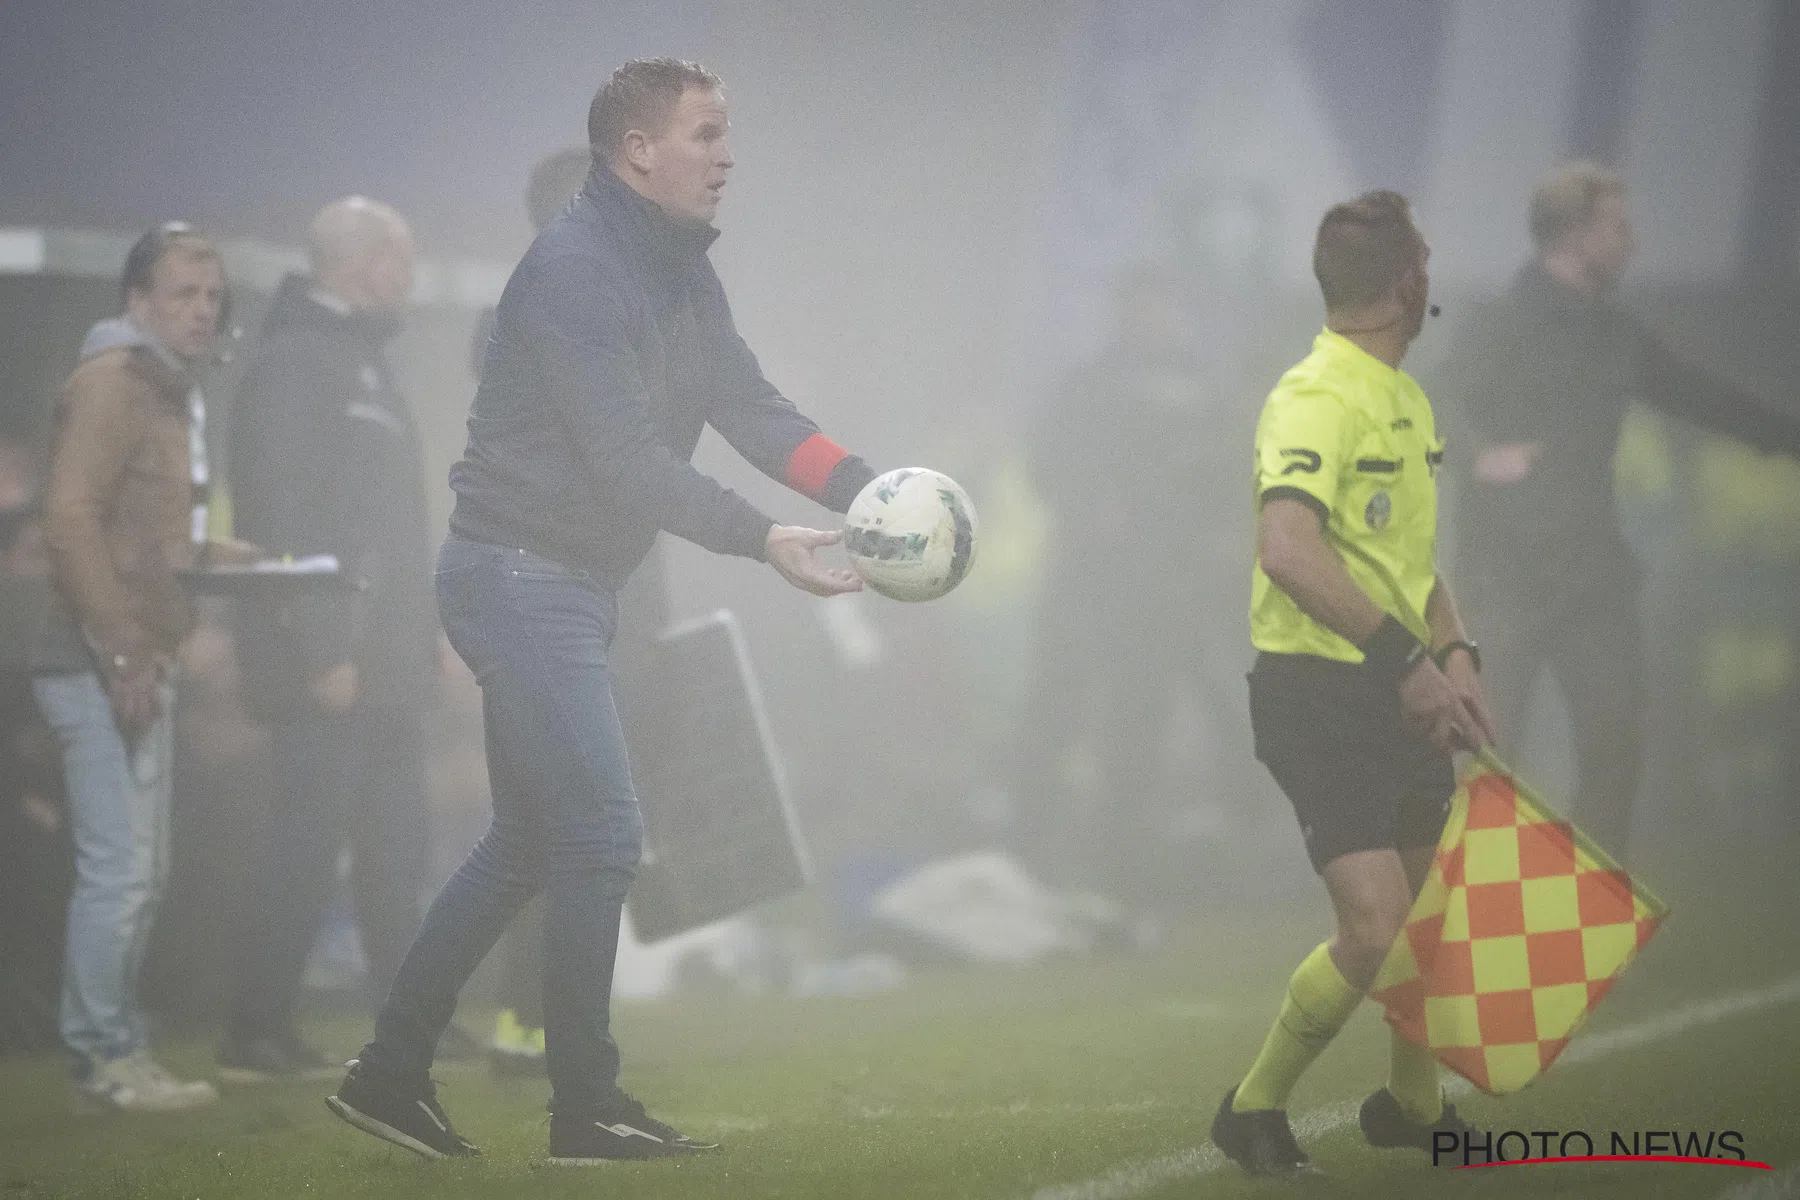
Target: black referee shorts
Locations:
point(1333, 738)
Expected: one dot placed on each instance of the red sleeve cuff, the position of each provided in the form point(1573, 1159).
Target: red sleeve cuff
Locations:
point(811, 464)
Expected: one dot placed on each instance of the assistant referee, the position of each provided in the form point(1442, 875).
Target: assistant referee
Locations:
point(1356, 700)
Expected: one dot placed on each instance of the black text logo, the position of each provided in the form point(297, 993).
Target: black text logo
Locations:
point(1304, 460)
point(1516, 1147)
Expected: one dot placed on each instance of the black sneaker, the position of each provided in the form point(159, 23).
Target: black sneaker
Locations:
point(622, 1130)
point(409, 1117)
point(267, 1057)
point(1259, 1141)
point(1386, 1124)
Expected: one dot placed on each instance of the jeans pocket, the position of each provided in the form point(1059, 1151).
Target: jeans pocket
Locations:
point(451, 572)
point(459, 556)
point(524, 565)
point(456, 582)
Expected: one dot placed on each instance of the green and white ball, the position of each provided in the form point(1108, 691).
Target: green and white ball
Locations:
point(911, 534)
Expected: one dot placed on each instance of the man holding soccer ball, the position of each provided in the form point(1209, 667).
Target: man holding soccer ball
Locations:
point(613, 346)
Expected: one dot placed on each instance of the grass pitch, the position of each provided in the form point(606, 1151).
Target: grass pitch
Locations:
point(1076, 1081)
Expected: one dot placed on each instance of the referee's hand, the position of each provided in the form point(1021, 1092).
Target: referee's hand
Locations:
point(1436, 711)
point(790, 550)
point(1459, 669)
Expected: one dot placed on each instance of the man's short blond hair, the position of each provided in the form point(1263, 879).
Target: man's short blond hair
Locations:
point(1566, 199)
point(641, 95)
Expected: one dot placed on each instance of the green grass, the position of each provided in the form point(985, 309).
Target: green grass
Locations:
point(974, 1084)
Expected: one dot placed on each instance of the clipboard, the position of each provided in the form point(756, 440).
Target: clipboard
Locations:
point(272, 576)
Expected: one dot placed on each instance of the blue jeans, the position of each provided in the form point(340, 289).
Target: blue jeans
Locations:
point(566, 821)
point(119, 815)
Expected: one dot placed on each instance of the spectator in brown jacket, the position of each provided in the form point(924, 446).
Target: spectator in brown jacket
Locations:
point(123, 512)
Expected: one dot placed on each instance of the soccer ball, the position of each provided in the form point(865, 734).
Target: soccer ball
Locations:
point(911, 534)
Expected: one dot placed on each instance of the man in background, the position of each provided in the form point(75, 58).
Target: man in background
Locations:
point(326, 459)
point(36, 860)
point(553, 185)
point(1543, 377)
point(1129, 460)
point(124, 510)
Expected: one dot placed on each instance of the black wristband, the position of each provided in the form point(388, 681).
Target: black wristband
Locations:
point(1441, 656)
point(1392, 651)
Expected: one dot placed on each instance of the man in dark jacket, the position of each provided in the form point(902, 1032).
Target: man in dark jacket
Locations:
point(326, 459)
point(1543, 380)
point(1123, 434)
point(613, 347)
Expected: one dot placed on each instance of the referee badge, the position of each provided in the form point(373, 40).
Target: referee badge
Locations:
point(1378, 512)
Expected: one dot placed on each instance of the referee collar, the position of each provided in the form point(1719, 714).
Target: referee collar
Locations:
point(1336, 344)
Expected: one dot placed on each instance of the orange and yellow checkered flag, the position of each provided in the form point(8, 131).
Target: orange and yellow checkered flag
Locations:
point(1522, 926)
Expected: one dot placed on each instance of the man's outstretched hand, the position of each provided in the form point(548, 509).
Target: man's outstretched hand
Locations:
point(791, 549)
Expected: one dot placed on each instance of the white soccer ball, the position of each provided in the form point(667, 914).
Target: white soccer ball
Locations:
point(911, 534)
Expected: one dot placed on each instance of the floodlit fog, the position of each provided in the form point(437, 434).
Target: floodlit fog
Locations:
point(1062, 253)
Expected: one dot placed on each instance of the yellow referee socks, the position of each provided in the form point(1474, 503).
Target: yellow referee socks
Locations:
point(1318, 1002)
point(1413, 1080)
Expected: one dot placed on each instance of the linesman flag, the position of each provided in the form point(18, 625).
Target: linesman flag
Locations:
point(1522, 926)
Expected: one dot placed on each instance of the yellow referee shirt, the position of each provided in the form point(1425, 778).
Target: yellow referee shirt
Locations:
point(1354, 439)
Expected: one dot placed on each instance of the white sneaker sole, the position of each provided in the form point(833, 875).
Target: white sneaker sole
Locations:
point(85, 1103)
point(252, 1075)
point(599, 1160)
point(382, 1130)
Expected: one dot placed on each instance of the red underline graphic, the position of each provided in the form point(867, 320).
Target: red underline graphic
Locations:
point(1647, 1158)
